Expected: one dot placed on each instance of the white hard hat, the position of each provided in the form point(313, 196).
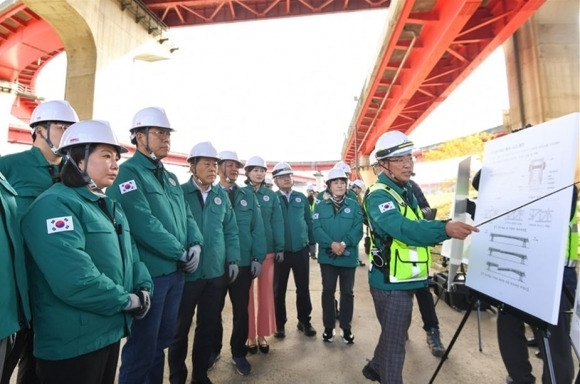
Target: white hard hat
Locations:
point(392, 144)
point(373, 158)
point(268, 181)
point(89, 132)
point(281, 169)
point(310, 187)
point(336, 173)
point(151, 117)
point(256, 161)
point(205, 149)
point(343, 166)
point(358, 183)
point(55, 110)
point(229, 155)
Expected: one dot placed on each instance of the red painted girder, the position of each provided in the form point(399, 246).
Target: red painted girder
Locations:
point(429, 33)
point(436, 65)
point(434, 39)
point(198, 12)
point(27, 43)
point(18, 135)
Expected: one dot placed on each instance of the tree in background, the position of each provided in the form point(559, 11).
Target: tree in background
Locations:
point(464, 146)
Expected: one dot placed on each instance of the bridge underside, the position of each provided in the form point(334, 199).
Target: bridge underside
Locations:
point(430, 48)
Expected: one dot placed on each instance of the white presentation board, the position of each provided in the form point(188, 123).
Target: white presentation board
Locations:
point(518, 258)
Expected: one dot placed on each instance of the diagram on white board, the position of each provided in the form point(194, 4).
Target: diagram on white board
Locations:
point(536, 170)
point(524, 201)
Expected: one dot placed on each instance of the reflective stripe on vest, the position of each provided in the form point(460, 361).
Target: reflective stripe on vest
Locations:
point(407, 263)
point(572, 250)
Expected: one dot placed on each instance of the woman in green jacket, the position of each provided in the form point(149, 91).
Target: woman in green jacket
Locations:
point(13, 282)
point(337, 226)
point(262, 317)
point(86, 280)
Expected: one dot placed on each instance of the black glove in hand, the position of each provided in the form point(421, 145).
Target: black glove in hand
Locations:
point(256, 268)
point(139, 304)
point(233, 272)
point(145, 300)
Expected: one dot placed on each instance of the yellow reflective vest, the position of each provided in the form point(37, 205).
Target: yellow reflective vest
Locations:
point(572, 250)
point(405, 263)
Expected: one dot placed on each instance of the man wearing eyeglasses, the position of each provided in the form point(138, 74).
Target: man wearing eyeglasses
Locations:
point(30, 173)
point(167, 237)
point(400, 257)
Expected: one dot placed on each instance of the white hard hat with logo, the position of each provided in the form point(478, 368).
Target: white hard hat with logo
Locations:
point(89, 132)
point(393, 144)
point(335, 173)
point(229, 155)
point(256, 161)
point(343, 166)
point(54, 110)
point(151, 117)
point(204, 149)
point(282, 169)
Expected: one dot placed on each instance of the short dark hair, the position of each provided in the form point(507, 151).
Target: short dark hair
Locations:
point(70, 175)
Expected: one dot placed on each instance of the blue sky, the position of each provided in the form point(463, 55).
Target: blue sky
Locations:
point(283, 89)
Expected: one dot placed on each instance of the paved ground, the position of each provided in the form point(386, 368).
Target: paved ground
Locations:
point(300, 359)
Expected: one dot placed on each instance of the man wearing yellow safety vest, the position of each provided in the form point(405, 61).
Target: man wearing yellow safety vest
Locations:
point(400, 255)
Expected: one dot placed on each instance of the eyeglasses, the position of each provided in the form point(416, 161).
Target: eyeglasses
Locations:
point(161, 133)
point(63, 126)
point(401, 160)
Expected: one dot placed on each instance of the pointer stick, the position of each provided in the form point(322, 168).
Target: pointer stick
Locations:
point(523, 205)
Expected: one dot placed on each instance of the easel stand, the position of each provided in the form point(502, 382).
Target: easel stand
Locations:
point(525, 317)
point(459, 288)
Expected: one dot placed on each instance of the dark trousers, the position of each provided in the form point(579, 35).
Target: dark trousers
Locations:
point(205, 294)
point(345, 275)
point(427, 308)
point(513, 343)
point(511, 335)
point(143, 355)
point(98, 367)
point(239, 292)
point(21, 355)
point(299, 264)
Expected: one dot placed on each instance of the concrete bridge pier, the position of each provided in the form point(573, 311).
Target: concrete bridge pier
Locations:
point(94, 35)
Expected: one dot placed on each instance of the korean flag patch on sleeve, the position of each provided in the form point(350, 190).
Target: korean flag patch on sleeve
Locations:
point(128, 186)
point(315, 216)
point(384, 207)
point(59, 224)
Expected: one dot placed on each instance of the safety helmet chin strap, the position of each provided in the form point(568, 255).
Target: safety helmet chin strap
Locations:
point(390, 173)
point(90, 183)
point(197, 180)
point(47, 138)
point(149, 151)
point(228, 180)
